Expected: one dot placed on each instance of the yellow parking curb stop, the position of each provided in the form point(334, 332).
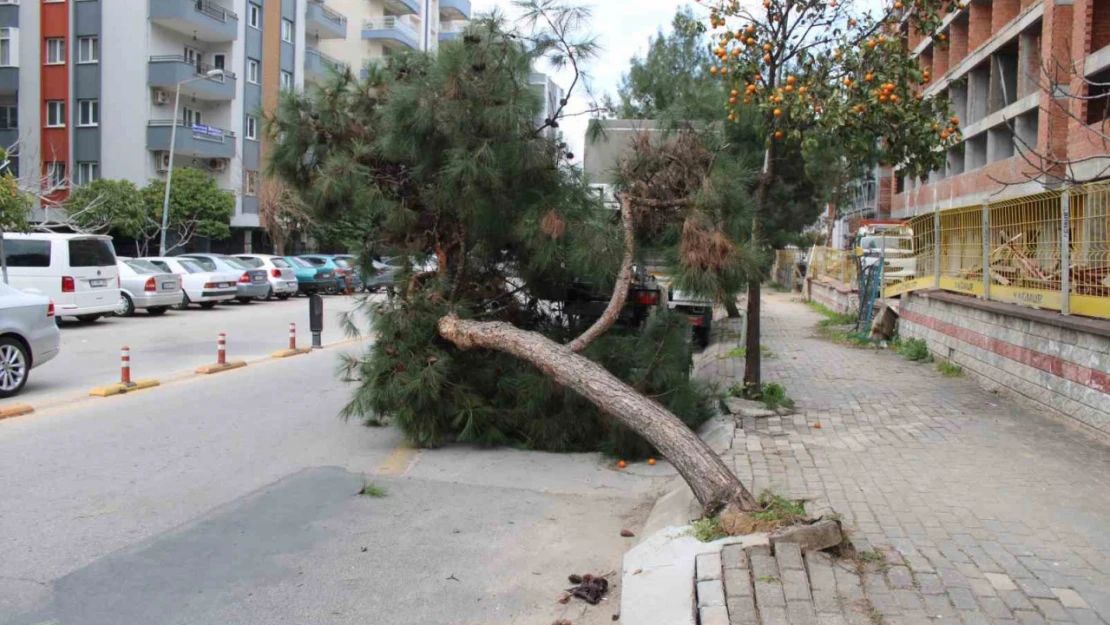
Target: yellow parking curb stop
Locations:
point(15, 410)
point(220, 368)
point(285, 353)
point(121, 389)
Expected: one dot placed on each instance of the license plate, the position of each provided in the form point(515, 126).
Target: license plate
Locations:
point(169, 286)
point(259, 279)
point(98, 283)
point(224, 285)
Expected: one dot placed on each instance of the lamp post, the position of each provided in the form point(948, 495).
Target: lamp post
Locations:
point(212, 73)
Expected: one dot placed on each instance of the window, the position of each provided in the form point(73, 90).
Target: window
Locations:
point(219, 60)
point(287, 31)
point(55, 113)
point(91, 252)
point(192, 117)
point(87, 172)
point(88, 112)
point(55, 174)
point(252, 71)
point(88, 50)
point(252, 127)
point(250, 184)
point(254, 15)
point(9, 117)
point(27, 253)
point(286, 80)
point(9, 44)
point(55, 51)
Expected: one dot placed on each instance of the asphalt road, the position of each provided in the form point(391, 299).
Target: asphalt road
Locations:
point(174, 343)
point(234, 499)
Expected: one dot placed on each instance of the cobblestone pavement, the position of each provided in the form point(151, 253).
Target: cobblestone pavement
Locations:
point(984, 512)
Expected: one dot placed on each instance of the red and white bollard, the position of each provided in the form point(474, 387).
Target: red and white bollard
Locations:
point(221, 349)
point(292, 336)
point(125, 366)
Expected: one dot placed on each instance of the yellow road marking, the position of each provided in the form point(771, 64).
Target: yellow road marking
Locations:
point(399, 461)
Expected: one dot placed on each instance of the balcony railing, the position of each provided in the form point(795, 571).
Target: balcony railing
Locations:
point(201, 132)
point(213, 10)
point(330, 13)
point(390, 22)
point(202, 69)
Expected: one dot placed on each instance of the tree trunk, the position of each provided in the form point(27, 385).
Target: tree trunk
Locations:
point(713, 483)
point(753, 376)
point(620, 289)
point(731, 309)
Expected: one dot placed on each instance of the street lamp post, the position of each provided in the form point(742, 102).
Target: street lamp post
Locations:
point(212, 73)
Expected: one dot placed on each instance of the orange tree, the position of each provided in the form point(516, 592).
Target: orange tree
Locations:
point(828, 75)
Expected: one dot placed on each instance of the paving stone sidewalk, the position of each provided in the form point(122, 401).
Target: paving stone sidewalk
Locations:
point(985, 511)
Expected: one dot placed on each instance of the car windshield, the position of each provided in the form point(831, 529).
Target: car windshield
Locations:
point(142, 266)
point(206, 263)
point(250, 261)
point(191, 266)
point(235, 263)
point(317, 262)
point(280, 263)
point(300, 262)
point(91, 253)
point(343, 262)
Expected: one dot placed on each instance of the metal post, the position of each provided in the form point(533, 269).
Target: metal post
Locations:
point(316, 319)
point(169, 173)
point(1065, 252)
point(125, 366)
point(986, 210)
point(936, 247)
point(292, 336)
point(221, 349)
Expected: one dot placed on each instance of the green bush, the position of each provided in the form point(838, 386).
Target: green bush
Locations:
point(916, 350)
point(774, 396)
point(949, 369)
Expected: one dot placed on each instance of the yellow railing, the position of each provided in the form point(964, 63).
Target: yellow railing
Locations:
point(1021, 244)
point(835, 264)
point(786, 260)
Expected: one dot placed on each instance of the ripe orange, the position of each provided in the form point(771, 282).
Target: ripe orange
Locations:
point(712, 70)
point(651, 461)
point(789, 88)
point(894, 97)
point(801, 90)
point(882, 98)
point(955, 121)
point(766, 58)
point(942, 37)
point(898, 5)
point(750, 29)
point(871, 44)
point(944, 136)
point(852, 23)
point(724, 70)
point(751, 41)
point(747, 100)
point(766, 47)
point(778, 113)
point(778, 134)
point(869, 77)
point(622, 464)
point(848, 82)
point(734, 93)
point(732, 100)
point(736, 52)
point(791, 80)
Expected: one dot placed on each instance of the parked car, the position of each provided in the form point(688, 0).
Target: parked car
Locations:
point(341, 269)
point(699, 310)
point(312, 279)
point(351, 273)
point(384, 271)
point(251, 283)
point(29, 336)
point(279, 273)
point(76, 271)
point(206, 288)
point(143, 286)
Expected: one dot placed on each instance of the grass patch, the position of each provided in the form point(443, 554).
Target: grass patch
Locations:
point(832, 318)
point(707, 530)
point(914, 350)
point(773, 395)
point(740, 352)
point(872, 555)
point(372, 490)
point(949, 369)
point(779, 509)
point(776, 286)
point(767, 579)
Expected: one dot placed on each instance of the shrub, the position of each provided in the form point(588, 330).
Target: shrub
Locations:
point(949, 369)
point(915, 350)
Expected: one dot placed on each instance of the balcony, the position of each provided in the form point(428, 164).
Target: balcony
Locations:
point(197, 141)
point(391, 31)
point(9, 80)
point(203, 19)
point(454, 10)
point(402, 7)
point(318, 65)
point(325, 22)
point(451, 30)
point(167, 71)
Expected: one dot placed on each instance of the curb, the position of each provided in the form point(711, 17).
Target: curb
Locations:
point(285, 353)
point(122, 389)
point(218, 368)
point(16, 410)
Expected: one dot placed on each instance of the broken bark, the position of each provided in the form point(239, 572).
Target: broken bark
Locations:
point(620, 289)
point(709, 478)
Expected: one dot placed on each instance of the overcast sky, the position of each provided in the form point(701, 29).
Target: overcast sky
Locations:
point(623, 28)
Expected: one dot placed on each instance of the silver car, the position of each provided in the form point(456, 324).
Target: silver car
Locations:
point(28, 336)
point(252, 282)
point(279, 273)
point(144, 286)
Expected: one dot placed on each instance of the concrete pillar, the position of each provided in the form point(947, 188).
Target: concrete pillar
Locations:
point(1002, 12)
point(978, 92)
point(247, 249)
point(979, 25)
point(1056, 49)
point(957, 94)
point(1029, 62)
point(1003, 81)
point(957, 41)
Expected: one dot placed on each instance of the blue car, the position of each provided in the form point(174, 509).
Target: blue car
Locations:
point(312, 279)
point(344, 271)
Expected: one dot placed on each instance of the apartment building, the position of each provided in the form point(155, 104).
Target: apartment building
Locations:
point(88, 87)
point(382, 27)
point(1012, 69)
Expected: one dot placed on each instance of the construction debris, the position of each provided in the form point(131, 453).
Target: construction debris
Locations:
point(590, 589)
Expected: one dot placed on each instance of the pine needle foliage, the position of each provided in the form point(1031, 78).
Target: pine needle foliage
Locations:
point(440, 159)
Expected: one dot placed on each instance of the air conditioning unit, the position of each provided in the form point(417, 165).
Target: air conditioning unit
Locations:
point(163, 161)
point(217, 164)
point(161, 97)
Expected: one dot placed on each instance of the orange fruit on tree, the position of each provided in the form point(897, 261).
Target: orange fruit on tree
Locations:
point(732, 100)
point(882, 39)
point(852, 23)
point(724, 70)
point(944, 135)
point(778, 134)
point(622, 464)
point(898, 5)
point(882, 98)
point(802, 90)
point(955, 120)
point(848, 82)
point(750, 29)
point(791, 80)
point(747, 100)
point(736, 52)
point(894, 97)
point(871, 43)
point(766, 47)
point(751, 41)
point(778, 112)
point(734, 93)
point(712, 70)
point(789, 88)
point(766, 58)
point(869, 77)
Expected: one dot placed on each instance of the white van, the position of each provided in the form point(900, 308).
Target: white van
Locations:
point(77, 271)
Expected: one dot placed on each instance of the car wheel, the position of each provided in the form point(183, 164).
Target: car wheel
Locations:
point(157, 311)
point(14, 366)
point(269, 294)
point(283, 296)
point(126, 307)
point(244, 300)
point(184, 305)
point(88, 318)
point(208, 305)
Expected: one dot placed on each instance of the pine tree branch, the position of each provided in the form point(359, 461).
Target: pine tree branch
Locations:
point(620, 289)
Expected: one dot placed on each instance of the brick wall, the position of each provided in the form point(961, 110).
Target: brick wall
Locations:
point(963, 189)
point(957, 42)
point(979, 24)
point(832, 295)
point(940, 59)
point(1100, 24)
point(1059, 370)
point(1002, 11)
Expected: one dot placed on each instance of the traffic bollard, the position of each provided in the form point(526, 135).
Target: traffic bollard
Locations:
point(222, 363)
point(221, 349)
point(125, 366)
point(292, 336)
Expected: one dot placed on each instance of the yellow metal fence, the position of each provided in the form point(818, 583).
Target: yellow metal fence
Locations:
point(1049, 250)
point(835, 264)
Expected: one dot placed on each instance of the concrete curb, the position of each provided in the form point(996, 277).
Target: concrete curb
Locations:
point(218, 368)
point(286, 353)
point(658, 577)
point(122, 389)
point(15, 410)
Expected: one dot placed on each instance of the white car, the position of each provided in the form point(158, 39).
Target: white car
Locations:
point(143, 286)
point(205, 288)
point(28, 336)
point(281, 276)
point(76, 271)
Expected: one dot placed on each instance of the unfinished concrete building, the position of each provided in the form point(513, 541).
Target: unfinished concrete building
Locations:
point(1001, 64)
